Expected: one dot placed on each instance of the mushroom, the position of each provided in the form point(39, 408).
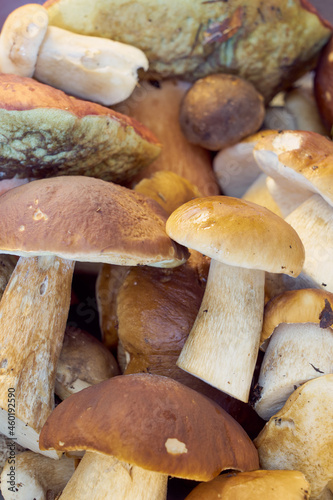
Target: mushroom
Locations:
point(91, 68)
point(258, 193)
point(242, 239)
point(51, 223)
point(272, 484)
point(220, 110)
point(32, 475)
point(156, 105)
point(323, 85)
point(83, 361)
point(300, 435)
point(301, 341)
point(137, 430)
point(44, 132)
point(8, 450)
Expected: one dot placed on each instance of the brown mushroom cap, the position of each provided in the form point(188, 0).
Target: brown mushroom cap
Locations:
point(153, 422)
point(86, 219)
point(238, 233)
point(49, 133)
point(309, 305)
point(323, 85)
point(220, 110)
point(257, 484)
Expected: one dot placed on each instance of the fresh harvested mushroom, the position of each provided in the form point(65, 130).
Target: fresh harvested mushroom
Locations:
point(83, 361)
point(46, 133)
point(51, 223)
point(299, 349)
point(91, 68)
point(193, 38)
point(243, 240)
point(156, 105)
point(220, 110)
point(35, 477)
point(235, 167)
point(137, 430)
point(272, 484)
point(300, 436)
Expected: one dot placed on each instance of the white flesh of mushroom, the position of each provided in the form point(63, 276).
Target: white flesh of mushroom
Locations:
point(97, 475)
point(223, 344)
point(296, 353)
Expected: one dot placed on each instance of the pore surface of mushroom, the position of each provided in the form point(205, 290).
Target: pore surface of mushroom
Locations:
point(242, 240)
point(147, 427)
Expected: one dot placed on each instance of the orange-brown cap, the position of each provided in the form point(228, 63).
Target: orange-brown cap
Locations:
point(86, 219)
point(238, 233)
point(153, 422)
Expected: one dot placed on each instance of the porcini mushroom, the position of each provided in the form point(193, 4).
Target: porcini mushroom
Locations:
point(242, 239)
point(137, 430)
point(88, 67)
point(51, 223)
point(300, 435)
point(272, 484)
point(44, 132)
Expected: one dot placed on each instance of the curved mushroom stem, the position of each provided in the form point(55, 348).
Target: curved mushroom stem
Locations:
point(223, 345)
point(97, 475)
point(33, 311)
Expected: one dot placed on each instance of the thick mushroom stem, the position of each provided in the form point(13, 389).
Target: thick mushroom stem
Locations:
point(33, 312)
point(98, 474)
point(223, 344)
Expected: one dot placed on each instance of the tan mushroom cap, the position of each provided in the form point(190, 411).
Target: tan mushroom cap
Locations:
point(153, 422)
point(306, 158)
point(257, 484)
point(238, 233)
point(49, 133)
point(309, 305)
point(86, 219)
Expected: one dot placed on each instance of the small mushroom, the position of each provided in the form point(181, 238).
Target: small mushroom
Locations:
point(91, 68)
point(272, 484)
point(220, 110)
point(35, 476)
point(300, 435)
point(83, 361)
point(242, 239)
point(137, 430)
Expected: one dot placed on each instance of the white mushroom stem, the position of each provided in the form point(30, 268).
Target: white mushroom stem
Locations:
point(33, 314)
point(33, 476)
point(97, 475)
point(222, 347)
point(313, 221)
point(296, 353)
point(286, 195)
point(91, 68)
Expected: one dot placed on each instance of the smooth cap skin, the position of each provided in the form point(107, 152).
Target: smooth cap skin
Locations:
point(257, 484)
point(309, 305)
point(238, 233)
point(45, 132)
point(153, 422)
point(86, 219)
point(21, 37)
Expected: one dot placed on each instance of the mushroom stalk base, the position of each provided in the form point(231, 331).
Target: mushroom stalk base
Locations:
point(99, 477)
point(223, 345)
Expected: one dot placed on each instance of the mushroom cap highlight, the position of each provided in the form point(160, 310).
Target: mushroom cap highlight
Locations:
point(238, 233)
point(86, 219)
point(153, 422)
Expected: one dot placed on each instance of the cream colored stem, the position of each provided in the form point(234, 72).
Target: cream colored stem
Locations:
point(99, 477)
point(223, 344)
point(33, 314)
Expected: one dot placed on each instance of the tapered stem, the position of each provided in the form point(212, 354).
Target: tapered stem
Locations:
point(223, 344)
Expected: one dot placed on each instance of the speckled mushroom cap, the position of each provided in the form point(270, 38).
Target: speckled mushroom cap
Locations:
point(46, 133)
point(86, 219)
point(153, 422)
point(238, 233)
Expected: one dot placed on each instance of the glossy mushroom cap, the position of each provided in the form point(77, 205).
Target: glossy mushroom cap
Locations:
point(86, 219)
point(153, 422)
point(238, 233)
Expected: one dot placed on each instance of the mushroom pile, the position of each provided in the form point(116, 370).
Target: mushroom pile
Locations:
point(166, 288)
